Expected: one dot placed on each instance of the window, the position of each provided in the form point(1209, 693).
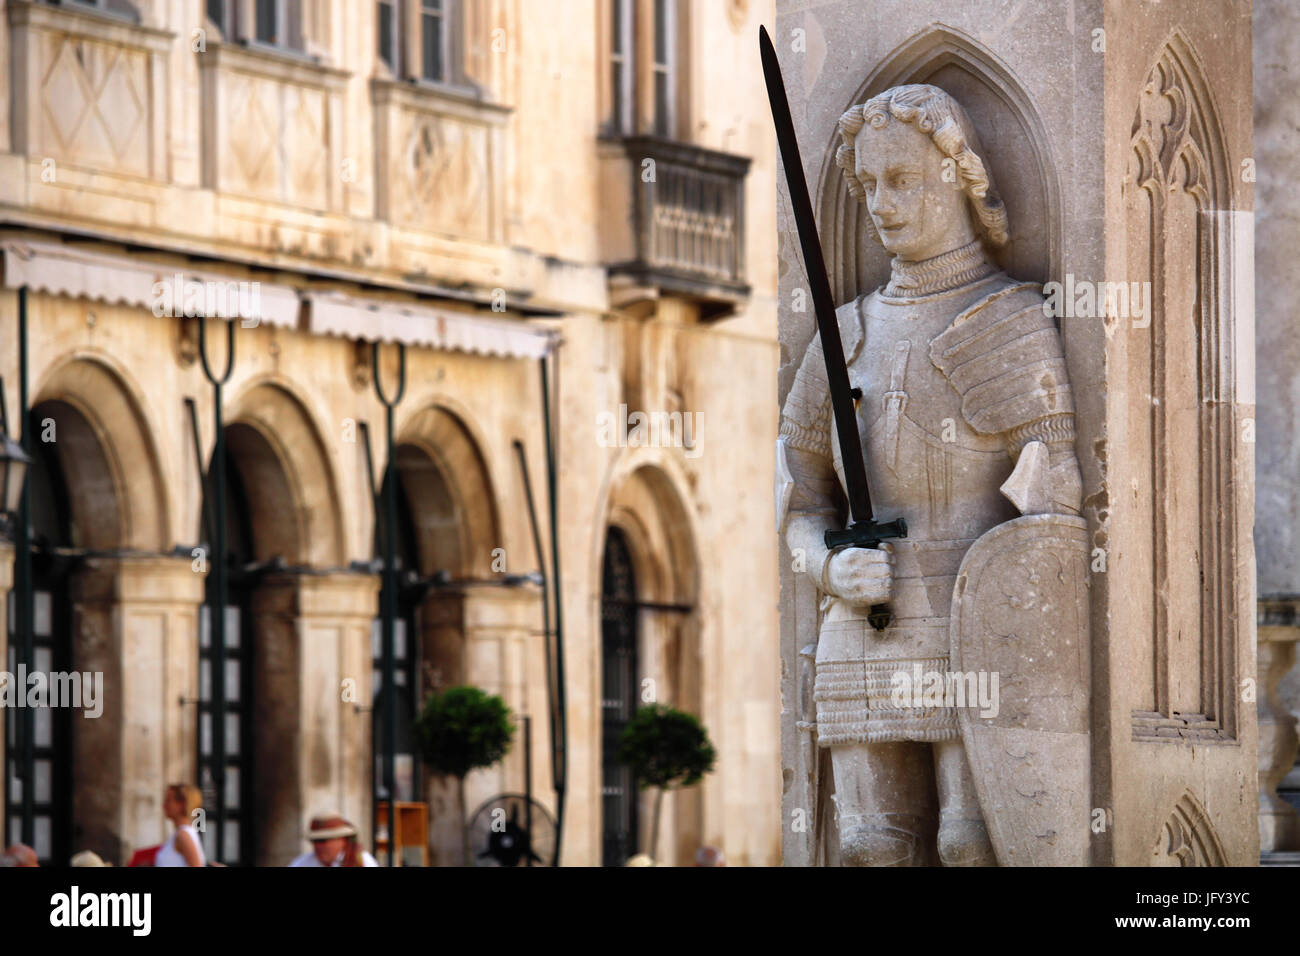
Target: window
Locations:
point(417, 40)
point(643, 67)
point(222, 14)
point(117, 8)
point(388, 34)
point(278, 23)
point(433, 41)
point(620, 59)
point(663, 67)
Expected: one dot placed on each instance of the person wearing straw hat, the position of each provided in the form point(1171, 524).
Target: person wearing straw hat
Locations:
point(333, 843)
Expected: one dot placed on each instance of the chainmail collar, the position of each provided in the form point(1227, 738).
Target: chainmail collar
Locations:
point(911, 280)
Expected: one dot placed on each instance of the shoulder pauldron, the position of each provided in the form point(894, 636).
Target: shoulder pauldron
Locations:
point(1003, 356)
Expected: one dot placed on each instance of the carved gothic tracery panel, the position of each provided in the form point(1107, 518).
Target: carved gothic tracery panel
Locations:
point(1181, 409)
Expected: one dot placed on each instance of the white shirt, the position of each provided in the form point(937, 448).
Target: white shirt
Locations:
point(309, 859)
point(168, 855)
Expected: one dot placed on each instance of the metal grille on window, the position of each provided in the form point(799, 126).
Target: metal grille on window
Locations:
point(618, 617)
point(405, 762)
point(238, 705)
point(50, 769)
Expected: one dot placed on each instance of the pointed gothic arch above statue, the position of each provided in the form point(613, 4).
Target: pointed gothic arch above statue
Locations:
point(1014, 144)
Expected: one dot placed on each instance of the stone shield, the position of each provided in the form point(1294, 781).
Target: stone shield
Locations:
point(1020, 612)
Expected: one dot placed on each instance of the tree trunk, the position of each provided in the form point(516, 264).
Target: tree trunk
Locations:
point(654, 826)
point(464, 822)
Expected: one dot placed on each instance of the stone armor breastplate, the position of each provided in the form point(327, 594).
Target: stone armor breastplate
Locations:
point(925, 463)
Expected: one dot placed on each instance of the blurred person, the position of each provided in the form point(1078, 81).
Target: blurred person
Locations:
point(88, 858)
point(20, 854)
point(183, 847)
point(333, 843)
point(710, 856)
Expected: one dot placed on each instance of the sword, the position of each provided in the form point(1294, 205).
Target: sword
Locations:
point(864, 531)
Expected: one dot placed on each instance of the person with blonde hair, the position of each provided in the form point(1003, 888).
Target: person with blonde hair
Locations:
point(183, 847)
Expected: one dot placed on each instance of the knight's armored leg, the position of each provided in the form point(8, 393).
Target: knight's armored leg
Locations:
point(963, 837)
point(883, 792)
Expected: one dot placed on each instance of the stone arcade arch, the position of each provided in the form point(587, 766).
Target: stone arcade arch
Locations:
point(1015, 145)
point(102, 503)
point(467, 625)
point(308, 626)
point(647, 515)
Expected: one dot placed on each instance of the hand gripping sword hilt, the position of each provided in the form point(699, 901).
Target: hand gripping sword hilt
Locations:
point(869, 534)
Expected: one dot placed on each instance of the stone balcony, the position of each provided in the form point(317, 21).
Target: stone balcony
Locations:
point(685, 236)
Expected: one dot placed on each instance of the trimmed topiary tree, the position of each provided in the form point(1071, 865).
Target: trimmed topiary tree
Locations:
point(665, 748)
point(463, 729)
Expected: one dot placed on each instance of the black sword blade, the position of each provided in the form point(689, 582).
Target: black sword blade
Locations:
point(837, 375)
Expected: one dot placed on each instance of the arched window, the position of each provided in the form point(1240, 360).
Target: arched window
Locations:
point(618, 697)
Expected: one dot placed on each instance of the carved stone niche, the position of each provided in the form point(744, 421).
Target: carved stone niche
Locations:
point(1015, 147)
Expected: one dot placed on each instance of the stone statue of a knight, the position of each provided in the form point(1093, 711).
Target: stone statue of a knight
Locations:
point(967, 422)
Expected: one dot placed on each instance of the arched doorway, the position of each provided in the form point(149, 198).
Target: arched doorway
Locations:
point(619, 640)
point(650, 653)
point(448, 528)
point(290, 639)
point(99, 516)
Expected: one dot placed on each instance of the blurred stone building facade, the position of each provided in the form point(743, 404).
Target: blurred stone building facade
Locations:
point(487, 182)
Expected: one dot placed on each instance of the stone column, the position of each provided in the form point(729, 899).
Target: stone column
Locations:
point(1279, 630)
point(311, 705)
point(135, 622)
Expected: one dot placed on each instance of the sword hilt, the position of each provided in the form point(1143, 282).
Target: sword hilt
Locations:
point(869, 534)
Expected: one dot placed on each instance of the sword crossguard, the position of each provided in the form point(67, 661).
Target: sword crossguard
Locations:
point(869, 534)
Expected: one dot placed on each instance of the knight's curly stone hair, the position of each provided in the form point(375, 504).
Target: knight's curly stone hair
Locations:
point(932, 111)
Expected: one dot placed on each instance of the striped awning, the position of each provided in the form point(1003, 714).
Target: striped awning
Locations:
point(80, 272)
point(333, 313)
point(70, 270)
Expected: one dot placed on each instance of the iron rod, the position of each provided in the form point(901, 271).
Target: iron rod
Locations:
point(561, 783)
point(24, 619)
point(217, 615)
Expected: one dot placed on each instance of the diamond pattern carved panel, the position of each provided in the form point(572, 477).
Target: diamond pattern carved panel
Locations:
point(272, 127)
point(91, 96)
point(439, 161)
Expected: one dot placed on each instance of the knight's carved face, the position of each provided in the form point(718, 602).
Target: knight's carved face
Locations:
point(916, 212)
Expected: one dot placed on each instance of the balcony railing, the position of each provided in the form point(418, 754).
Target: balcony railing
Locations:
point(689, 219)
